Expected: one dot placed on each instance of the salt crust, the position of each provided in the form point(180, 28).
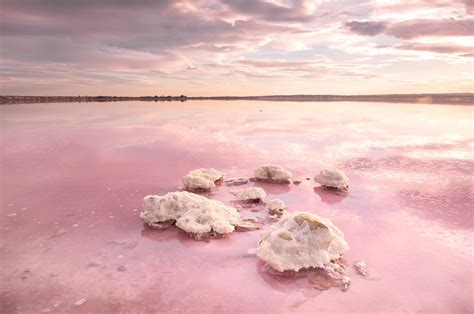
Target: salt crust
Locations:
point(201, 179)
point(193, 213)
point(333, 178)
point(301, 240)
point(273, 174)
point(249, 194)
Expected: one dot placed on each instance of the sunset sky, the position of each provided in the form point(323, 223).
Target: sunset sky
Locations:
point(235, 47)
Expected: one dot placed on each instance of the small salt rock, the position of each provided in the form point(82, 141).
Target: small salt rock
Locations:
point(46, 310)
point(345, 283)
point(249, 224)
point(236, 181)
point(361, 268)
point(54, 274)
point(308, 179)
point(252, 251)
point(297, 182)
point(80, 302)
point(254, 209)
point(121, 268)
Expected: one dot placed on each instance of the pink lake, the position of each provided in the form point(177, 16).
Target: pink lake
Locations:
point(74, 176)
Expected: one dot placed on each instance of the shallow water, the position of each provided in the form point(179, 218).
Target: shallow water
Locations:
point(74, 176)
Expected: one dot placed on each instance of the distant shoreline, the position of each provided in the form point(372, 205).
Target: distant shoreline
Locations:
point(445, 98)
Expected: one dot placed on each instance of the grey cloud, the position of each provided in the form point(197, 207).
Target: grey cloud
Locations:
point(366, 28)
point(297, 12)
point(414, 28)
point(420, 28)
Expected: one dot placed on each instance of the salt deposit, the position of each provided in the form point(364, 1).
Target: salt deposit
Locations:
point(361, 268)
point(272, 173)
point(201, 179)
point(333, 178)
point(236, 181)
point(193, 213)
point(276, 207)
point(249, 194)
point(301, 240)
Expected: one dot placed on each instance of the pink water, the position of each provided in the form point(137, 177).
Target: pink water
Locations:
point(74, 176)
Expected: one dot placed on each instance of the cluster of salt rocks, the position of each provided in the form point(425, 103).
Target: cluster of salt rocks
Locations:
point(298, 241)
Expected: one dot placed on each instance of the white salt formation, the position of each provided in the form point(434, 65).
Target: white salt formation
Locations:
point(201, 179)
point(249, 194)
point(345, 283)
point(272, 173)
point(301, 240)
point(361, 268)
point(193, 213)
point(333, 179)
point(276, 207)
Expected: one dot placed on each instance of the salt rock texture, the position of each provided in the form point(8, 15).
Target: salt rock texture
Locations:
point(272, 173)
point(236, 181)
point(361, 268)
point(192, 213)
point(333, 178)
point(249, 194)
point(201, 179)
point(301, 240)
point(276, 207)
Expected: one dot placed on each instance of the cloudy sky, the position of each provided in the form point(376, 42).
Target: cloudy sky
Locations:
point(235, 47)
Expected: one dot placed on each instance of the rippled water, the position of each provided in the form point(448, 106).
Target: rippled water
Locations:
point(74, 176)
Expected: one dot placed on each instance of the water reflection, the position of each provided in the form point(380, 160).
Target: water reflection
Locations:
point(410, 168)
point(330, 196)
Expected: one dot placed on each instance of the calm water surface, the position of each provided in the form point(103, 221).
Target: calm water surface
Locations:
point(74, 176)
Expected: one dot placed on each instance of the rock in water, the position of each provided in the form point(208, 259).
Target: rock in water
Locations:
point(301, 240)
point(249, 194)
point(276, 207)
point(236, 181)
point(195, 214)
point(361, 268)
point(201, 179)
point(273, 174)
point(333, 178)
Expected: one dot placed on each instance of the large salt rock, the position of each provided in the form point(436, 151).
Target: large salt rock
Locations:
point(193, 213)
point(272, 173)
point(201, 179)
point(301, 240)
point(333, 178)
point(249, 194)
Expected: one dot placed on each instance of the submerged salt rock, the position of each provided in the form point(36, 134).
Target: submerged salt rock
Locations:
point(201, 179)
point(236, 181)
point(193, 213)
point(276, 207)
point(333, 178)
point(272, 173)
point(249, 194)
point(301, 240)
